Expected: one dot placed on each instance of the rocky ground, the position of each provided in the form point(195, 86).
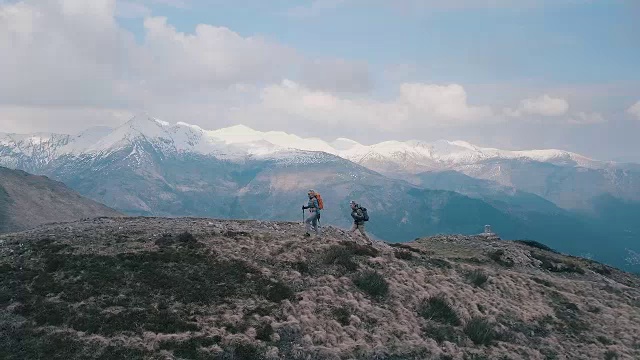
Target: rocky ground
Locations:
point(154, 288)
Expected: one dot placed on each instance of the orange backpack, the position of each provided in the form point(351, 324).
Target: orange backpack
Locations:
point(320, 203)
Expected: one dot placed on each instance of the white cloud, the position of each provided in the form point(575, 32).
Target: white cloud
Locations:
point(79, 46)
point(65, 52)
point(544, 105)
point(635, 110)
point(443, 102)
point(416, 106)
point(210, 57)
point(584, 118)
point(71, 65)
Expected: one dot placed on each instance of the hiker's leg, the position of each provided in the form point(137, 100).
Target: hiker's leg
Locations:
point(361, 228)
point(353, 228)
point(314, 222)
point(308, 222)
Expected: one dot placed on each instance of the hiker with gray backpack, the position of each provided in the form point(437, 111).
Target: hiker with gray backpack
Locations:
point(359, 215)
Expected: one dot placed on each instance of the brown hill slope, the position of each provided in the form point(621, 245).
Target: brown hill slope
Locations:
point(207, 289)
point(28, 200)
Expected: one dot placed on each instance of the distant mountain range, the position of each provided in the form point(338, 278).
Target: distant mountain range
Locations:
point(27, 201)
point(413, 188)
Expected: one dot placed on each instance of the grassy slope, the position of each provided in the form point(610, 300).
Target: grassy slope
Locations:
point(208, 289)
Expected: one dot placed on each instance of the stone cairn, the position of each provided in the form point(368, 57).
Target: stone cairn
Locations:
point(489, 234)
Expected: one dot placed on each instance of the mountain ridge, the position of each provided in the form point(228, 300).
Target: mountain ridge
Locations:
point(459, 152)
point(27, 201)
point(230, 289)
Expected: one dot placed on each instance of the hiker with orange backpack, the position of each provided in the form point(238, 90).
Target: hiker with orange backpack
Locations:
point(315, 205)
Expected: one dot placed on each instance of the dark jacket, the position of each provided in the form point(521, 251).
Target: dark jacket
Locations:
point(358, 216)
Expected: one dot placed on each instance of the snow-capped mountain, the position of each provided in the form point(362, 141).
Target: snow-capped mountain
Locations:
point(235, 143)
point(239, 141)
point(570, 180)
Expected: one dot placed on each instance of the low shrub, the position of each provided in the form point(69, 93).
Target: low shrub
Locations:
point(477, 277)
point(439, 263)
point(372, 283)
point(604, 340)
point(480, 331)
point(536, 245)
point(301, 267)
point(403, 255)
point(345, 253)
point(437, 308)
point(186, 237)
point(264, 333)
point(277, 291)
point(602, 270)
point(496, 256)
point(360, 250)
point(569, 314)
point(442, 333)
point(342, 315)
point(339, 255)
point(557, 266)
point(544, 282)
point(610, 355)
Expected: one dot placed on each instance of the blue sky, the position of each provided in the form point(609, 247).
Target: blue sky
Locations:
point(503, 73)
point(575, 42)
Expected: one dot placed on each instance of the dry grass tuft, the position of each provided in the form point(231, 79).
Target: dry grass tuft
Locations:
point(610, 355)
point(442, 333)
point(498, 257)
point(403, 254)
point(372, 283)
point(555, 265)
point(480, 331)
point(342, 315)
point(437, 308)
point(477, 277)
point(536, 245)
point(345, 253)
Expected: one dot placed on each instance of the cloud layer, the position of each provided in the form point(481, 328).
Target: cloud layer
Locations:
point(544, 105)
point(634, 110)
point(72, 65)
point(79, 46)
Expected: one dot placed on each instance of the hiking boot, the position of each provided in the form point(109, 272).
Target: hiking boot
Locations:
point(307, 234)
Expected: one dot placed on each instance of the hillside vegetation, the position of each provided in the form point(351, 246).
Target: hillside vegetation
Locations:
point(152, 288)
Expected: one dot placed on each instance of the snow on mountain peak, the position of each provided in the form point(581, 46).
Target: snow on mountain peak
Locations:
point(236, 134)
point(463, 144)
point(184, 124)
point(240, 140)
point(344, 144)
